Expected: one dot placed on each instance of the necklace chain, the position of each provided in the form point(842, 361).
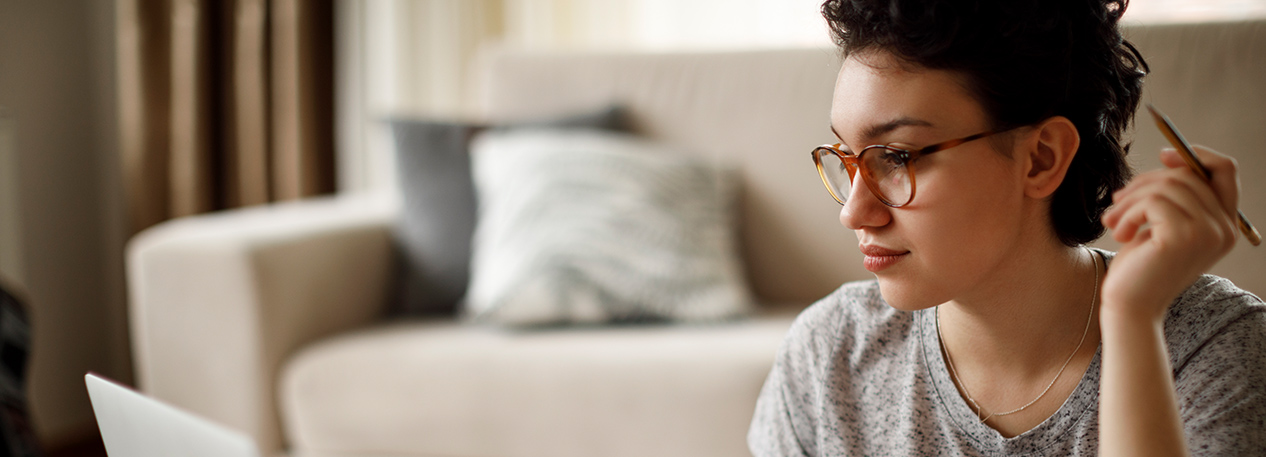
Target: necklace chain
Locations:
point(980, 410)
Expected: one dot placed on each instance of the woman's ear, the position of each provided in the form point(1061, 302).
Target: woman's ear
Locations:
point(1050, 150)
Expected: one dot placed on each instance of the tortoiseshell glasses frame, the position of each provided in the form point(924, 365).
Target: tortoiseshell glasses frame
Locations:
point(885, 168)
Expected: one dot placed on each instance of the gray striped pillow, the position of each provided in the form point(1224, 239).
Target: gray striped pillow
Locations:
point(585, 226)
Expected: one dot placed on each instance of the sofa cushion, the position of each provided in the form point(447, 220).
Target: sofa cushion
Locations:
point(434, 231)
point(441, 388)
point(582, 226)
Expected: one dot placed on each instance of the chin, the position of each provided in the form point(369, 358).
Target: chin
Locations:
point(905, 296)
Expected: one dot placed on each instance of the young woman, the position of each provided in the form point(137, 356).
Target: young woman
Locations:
point(980, 149)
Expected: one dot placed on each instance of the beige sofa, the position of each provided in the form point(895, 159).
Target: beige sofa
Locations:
point(269, 319)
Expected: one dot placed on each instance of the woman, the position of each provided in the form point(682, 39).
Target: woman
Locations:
point(991, 329)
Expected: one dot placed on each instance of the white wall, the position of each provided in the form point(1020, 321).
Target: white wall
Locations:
point(56, 83)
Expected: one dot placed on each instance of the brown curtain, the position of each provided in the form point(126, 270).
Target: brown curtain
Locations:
point(224, 103)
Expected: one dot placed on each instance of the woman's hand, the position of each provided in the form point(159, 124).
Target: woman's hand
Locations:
point(1173, 227)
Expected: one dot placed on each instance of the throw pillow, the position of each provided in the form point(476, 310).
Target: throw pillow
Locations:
point(433, 233)
point(584, 226)
point(437, 217)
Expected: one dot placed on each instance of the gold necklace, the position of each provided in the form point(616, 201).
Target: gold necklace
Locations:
point(979, 410)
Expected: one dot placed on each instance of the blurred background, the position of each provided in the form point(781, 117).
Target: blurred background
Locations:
point(118, 114)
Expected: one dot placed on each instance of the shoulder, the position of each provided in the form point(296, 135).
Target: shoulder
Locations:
point(847, 299)
point(854, 304)
point(852, 319)
point(1213, 310)
point(1217, 295)
point(1216, 334)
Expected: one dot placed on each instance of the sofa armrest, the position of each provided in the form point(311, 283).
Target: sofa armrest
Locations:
point(219, 301)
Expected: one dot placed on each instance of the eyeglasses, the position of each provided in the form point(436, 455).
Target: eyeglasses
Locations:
point(885, 168)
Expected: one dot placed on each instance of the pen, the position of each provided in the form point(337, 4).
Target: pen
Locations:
point(1189, 155)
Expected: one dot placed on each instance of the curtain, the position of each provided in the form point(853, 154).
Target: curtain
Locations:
point(416, 57)
point(224, 103)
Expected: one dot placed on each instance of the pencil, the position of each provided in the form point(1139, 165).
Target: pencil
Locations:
point(1189, 155)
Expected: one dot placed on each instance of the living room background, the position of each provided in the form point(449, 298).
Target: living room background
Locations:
point(413, 57)
point(61, 213)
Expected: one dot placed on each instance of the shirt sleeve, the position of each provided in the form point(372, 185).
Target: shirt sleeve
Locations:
point(774, 430)
point(786, 421)
point(1222, 390)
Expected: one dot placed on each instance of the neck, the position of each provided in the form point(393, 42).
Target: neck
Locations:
point(1027, 318)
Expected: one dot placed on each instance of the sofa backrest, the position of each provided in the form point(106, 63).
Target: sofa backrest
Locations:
point(761, 112)
point(1210, 79)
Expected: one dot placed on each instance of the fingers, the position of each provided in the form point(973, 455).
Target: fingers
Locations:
point(1176, 204)
point(1179, 185)
point(1164, 221)
point(1223, 169)
point(1154, 195)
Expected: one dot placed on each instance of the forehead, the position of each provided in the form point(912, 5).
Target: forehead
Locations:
point(875, 88)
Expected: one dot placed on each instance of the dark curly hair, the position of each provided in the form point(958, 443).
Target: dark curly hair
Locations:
point(1024, 61)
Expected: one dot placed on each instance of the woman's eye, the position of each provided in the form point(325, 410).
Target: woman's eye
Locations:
point(893, 159)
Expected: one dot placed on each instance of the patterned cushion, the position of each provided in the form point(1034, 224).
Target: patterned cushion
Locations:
point(434, 231)
point(584, 226)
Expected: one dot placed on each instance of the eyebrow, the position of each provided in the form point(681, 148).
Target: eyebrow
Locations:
point(876, 130)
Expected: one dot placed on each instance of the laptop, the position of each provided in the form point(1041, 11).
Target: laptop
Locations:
point(133, 425)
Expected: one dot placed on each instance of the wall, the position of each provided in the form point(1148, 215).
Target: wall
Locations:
point(10, 225)
point(57, 86)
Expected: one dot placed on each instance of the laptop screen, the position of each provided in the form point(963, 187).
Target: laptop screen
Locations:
point(134, 425)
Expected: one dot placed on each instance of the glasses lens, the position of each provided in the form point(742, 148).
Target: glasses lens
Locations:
point(887, 170)
point(834, 173)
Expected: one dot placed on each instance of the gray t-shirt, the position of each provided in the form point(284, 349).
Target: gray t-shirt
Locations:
point(857, 377)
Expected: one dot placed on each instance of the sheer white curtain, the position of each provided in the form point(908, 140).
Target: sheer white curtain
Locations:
point(413, 57)
point(398, 57)
point(665, 24)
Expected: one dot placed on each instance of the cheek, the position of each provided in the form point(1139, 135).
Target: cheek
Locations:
point(962, 226)
point(963, 204)
point(988, 208)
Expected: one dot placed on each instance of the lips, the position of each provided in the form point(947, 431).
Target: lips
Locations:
point(879, 258)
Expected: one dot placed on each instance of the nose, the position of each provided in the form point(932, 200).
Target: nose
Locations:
point(863, 209)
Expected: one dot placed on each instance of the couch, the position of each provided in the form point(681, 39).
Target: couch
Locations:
point(271, 319)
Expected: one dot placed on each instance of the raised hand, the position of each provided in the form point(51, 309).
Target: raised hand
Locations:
point(1173, 227)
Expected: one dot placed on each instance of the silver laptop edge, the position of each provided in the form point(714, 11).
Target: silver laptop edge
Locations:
point(133, 425)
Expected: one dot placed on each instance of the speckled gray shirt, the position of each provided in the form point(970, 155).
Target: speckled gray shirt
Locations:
point(857, 377)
